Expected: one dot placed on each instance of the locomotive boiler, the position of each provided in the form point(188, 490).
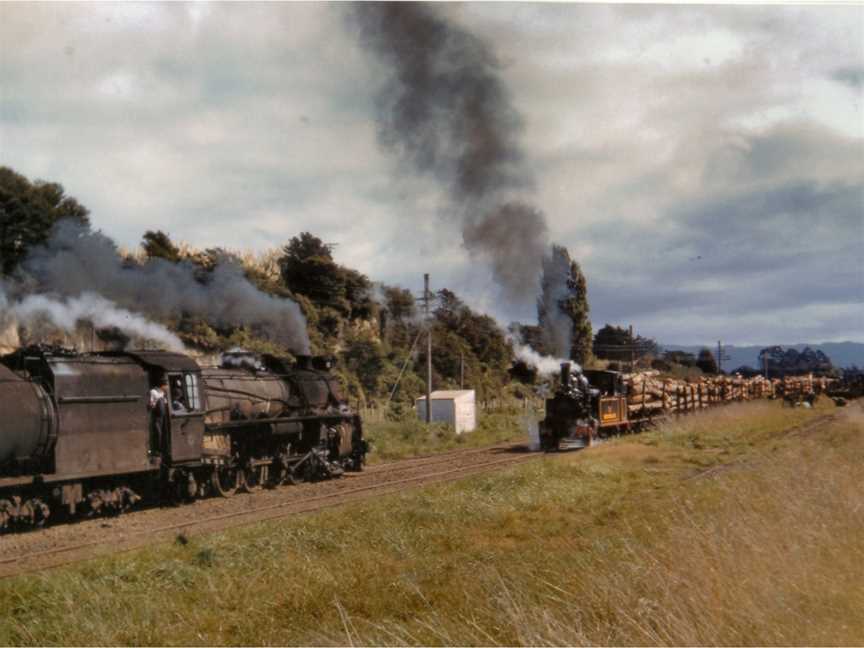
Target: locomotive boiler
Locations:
point(77, 432)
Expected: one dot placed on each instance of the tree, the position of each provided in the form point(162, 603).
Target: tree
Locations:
point(619, 344)
point(450, 308)
point(399, 302)
point(781, 362)
point(28, 212)
point(562, 308)
point(357, 293)
point(613, 343)
point(680, 357)
point(482, 333)
point(706, 361)
point(365, 358)
point(308, 268)
point(158, 244)
point(307, 246)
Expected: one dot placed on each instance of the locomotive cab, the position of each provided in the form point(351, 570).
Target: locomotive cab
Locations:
point(612, 412)
point(185, 411)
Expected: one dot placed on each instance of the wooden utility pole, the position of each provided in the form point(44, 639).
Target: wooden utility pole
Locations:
point(426, 300)
point(461, 370)
point(632, 350)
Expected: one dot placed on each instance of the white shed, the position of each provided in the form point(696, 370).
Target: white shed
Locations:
point(454, 407)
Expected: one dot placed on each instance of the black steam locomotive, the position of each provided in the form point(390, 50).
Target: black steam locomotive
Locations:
point(584, 407)
point(77, 435)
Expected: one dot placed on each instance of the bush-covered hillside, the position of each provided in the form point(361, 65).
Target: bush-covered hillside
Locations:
point(371, 328)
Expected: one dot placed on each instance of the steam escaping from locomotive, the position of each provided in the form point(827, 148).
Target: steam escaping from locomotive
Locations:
point(545, 365)
point(84, 270)
point(445, 110)
point(38, 312)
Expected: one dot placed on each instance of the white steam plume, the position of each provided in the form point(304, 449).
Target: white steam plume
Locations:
point(67, 313)
point(545, 365)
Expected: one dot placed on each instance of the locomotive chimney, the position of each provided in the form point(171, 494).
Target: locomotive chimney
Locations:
point(565, 374)
point(304, 362)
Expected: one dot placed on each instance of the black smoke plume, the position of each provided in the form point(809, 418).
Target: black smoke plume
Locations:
point(79, 274)
point(445, 110)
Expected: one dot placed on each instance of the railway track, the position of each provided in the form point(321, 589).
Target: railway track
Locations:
point(69, 543)
point(64, 544)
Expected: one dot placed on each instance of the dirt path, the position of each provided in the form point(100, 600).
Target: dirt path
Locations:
point(62, 544)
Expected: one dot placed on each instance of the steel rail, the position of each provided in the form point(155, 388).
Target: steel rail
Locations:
point(270, 511)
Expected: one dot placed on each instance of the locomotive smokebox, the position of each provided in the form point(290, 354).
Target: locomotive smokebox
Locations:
point(28, 420)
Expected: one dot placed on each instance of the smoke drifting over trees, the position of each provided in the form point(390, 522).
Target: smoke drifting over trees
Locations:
point(562, 308)
point(445, 110)
point(79, 274)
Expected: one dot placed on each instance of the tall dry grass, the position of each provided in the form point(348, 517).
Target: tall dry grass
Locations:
point(726, 528)
point(764, 552)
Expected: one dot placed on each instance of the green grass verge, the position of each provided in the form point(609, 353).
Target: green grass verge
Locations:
point(722, 528)
point(410, 437)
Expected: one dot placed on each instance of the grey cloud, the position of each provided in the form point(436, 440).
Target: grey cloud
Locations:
point(635, 161)
point(851, 76)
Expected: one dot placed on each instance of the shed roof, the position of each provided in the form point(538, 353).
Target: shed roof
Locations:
point(454, 394)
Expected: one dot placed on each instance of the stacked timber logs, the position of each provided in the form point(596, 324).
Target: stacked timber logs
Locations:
point(800, 386)
point(649, 394)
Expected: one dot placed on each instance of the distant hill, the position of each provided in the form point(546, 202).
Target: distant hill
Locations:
point(842, 354)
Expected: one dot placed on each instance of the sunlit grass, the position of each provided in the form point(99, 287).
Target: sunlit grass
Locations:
point(411, 437)
point(723, 528)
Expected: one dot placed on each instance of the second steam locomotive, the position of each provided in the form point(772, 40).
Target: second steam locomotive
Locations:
point(77, 433)
point(584, 407)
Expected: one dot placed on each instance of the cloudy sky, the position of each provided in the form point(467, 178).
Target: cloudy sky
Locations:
point(704, 164)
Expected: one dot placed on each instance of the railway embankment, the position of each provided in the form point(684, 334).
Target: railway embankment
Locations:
point(743, 524)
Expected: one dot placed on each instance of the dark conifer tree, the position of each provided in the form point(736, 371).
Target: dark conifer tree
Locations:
point(562, 309)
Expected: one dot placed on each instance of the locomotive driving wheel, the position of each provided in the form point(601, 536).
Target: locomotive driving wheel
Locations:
point(255, 477)
point(226, 480)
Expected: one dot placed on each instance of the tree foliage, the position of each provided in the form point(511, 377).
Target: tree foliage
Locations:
point(28, 212)
point(481, 333)
point(680, 357)
point(562, 308)
point(308, 268)
point(788, 362)
point(619, 344)
point(706, 361)
point(159, 245)
point(399, 303)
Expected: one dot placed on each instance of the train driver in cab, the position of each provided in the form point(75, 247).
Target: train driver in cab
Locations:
point(178, 397)
point(157, 404)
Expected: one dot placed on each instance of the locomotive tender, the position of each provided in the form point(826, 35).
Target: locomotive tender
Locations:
point(76, 434)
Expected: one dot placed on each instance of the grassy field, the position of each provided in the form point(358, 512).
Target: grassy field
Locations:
point(409, 438)
point(722, 528)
